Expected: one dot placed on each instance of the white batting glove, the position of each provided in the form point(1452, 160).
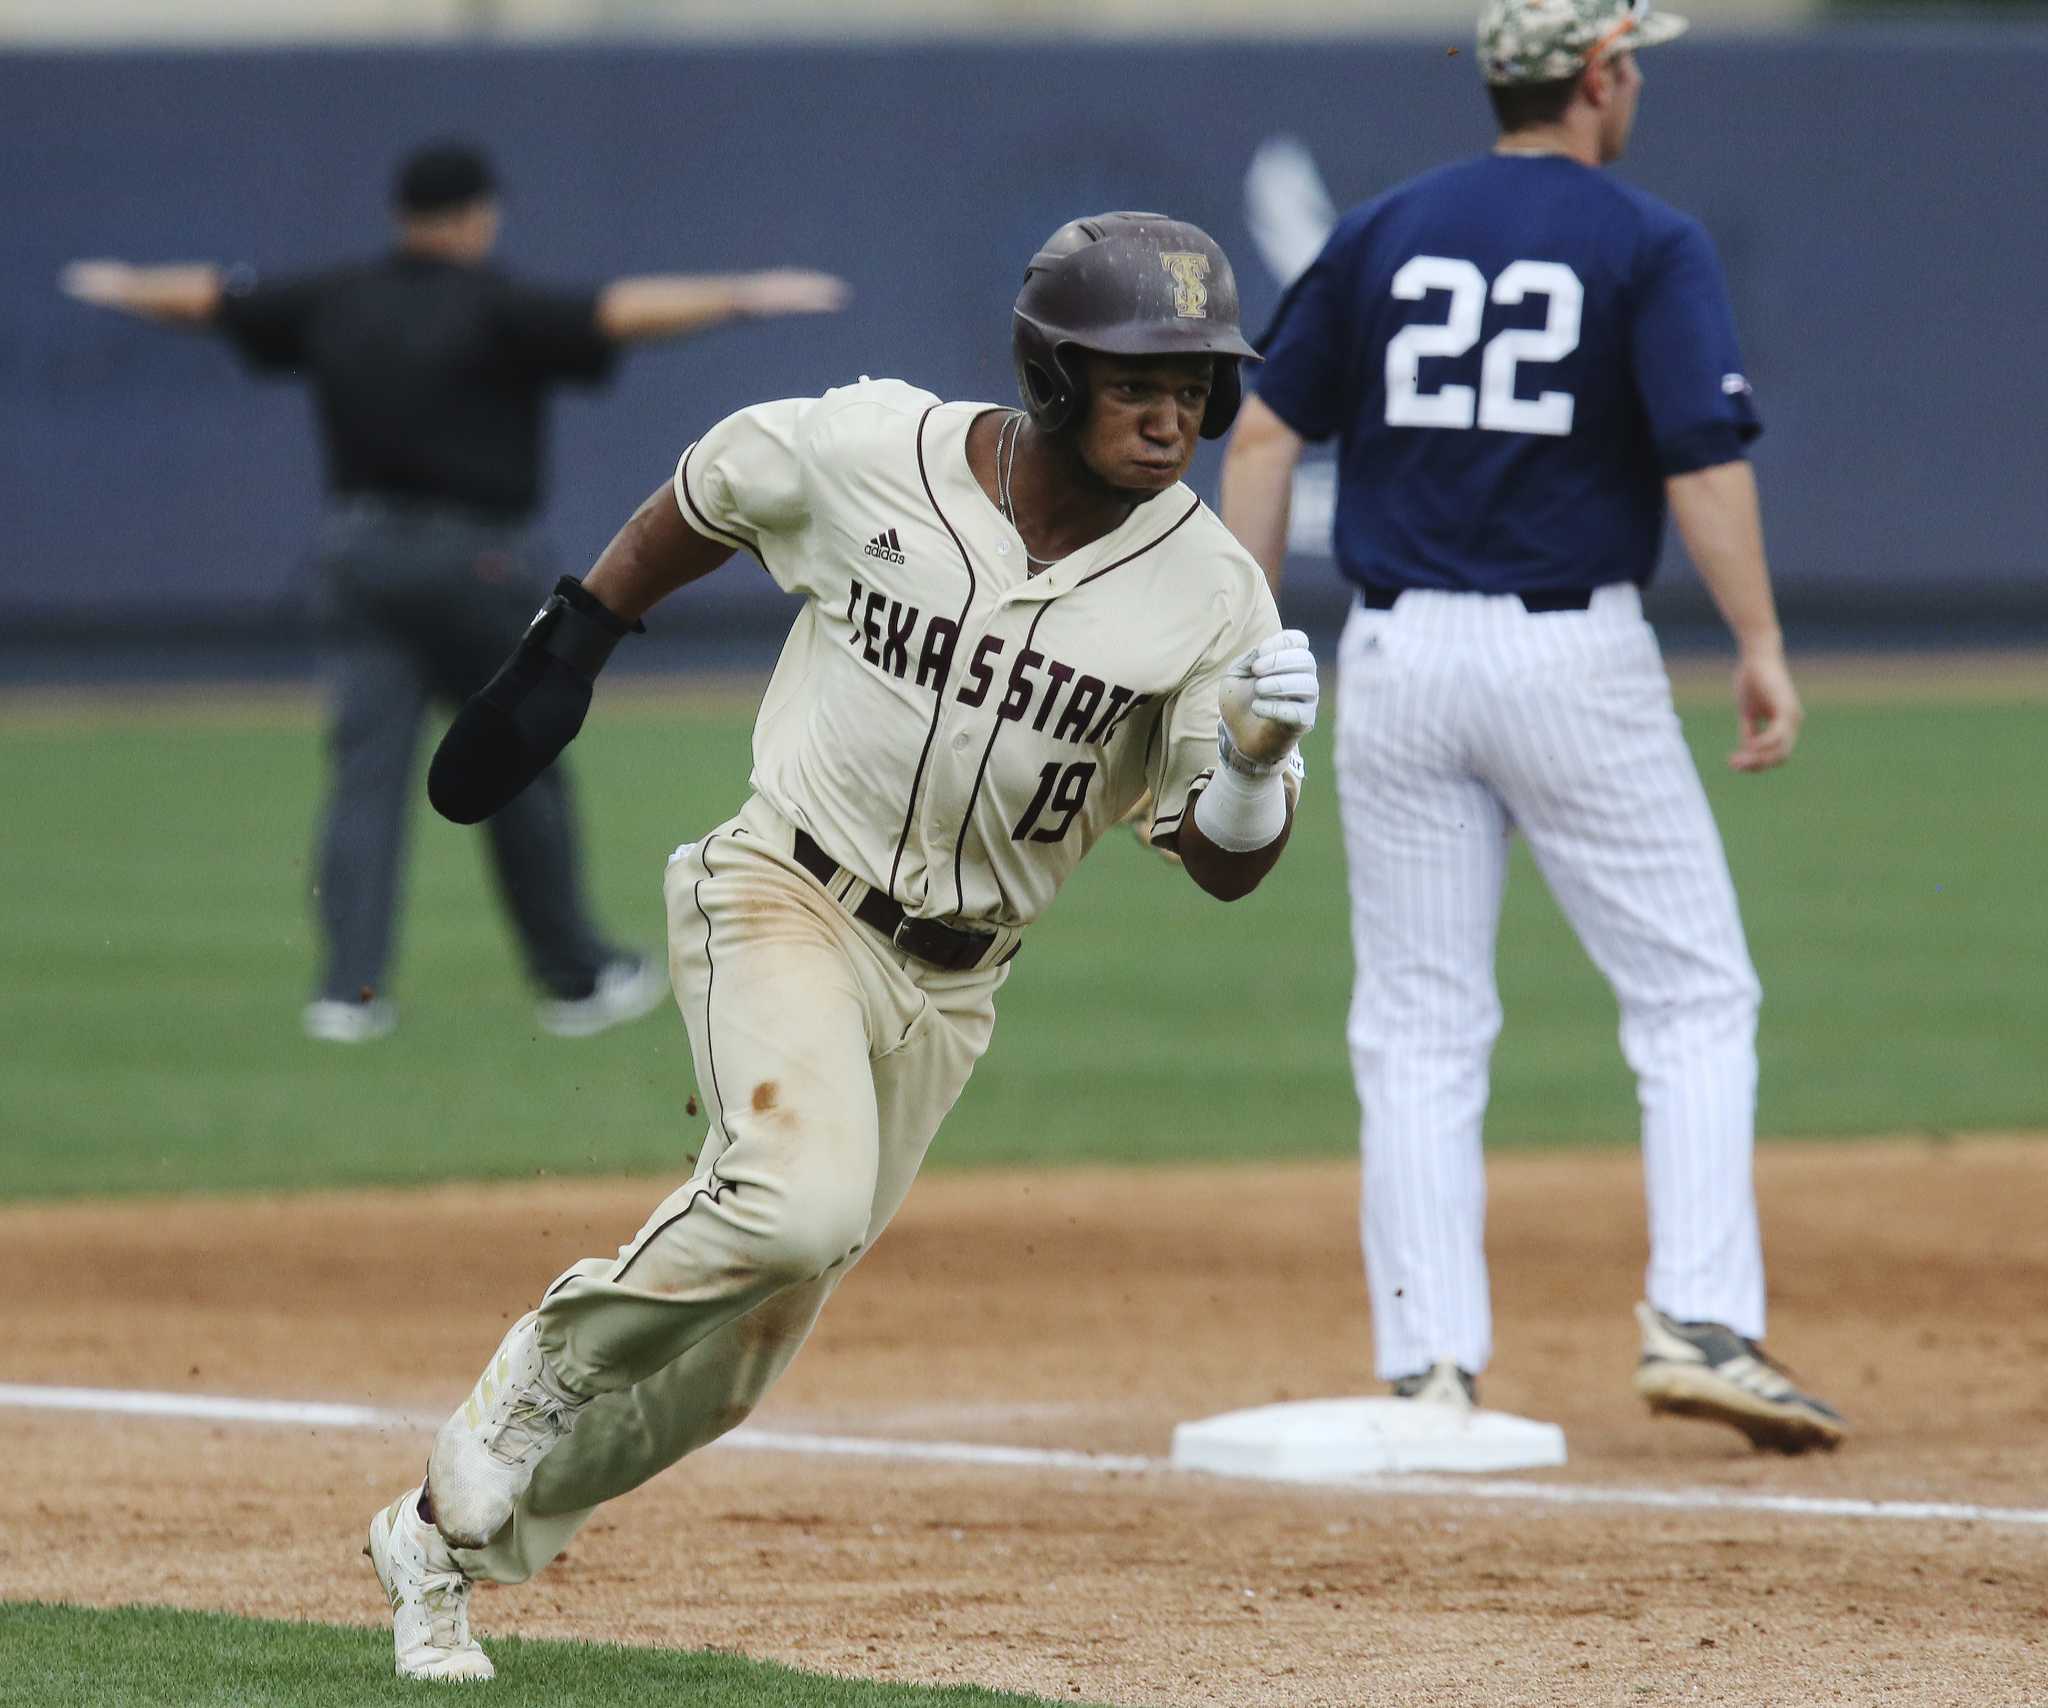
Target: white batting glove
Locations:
point(1269, 700)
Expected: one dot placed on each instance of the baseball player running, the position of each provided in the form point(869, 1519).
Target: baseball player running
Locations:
point(1524, 362)
point(1013, 623)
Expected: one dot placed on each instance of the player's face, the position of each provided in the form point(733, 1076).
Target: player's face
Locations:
point(1144, 419)
point(1618, 118)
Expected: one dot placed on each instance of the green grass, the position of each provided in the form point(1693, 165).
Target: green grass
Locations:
point(157, 947)
point(71, 1657)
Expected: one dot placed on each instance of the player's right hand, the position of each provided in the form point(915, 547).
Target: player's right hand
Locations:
point(1767, 706)
point(511, 730)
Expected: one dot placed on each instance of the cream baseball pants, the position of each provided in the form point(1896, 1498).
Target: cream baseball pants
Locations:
point(827, 1059)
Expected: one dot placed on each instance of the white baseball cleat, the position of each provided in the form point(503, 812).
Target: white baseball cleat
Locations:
point(627, 988)
point(1706, 1370)
point(485, 1455)
point(332, 1021)
point(429, 1596)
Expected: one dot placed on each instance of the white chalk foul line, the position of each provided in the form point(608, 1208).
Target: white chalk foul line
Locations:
point(313, 1414)
point(217, 1408)
point(936, 1452)
point(1698, 1500)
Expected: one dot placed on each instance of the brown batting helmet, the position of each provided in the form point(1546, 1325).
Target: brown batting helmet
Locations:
point(1126, 284)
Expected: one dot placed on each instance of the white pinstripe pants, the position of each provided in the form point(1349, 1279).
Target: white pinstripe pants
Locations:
point(1462, 718)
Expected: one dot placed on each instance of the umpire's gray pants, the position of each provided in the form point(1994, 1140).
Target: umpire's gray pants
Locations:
point(421, 604)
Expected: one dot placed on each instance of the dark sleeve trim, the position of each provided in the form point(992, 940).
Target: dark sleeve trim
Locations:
point(703, 523)
point(1169, 821)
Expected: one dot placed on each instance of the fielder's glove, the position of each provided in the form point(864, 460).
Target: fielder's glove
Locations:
point(1268, 701)
point(510, 731)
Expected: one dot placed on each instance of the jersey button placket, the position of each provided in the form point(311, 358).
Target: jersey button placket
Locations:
point(964, 736)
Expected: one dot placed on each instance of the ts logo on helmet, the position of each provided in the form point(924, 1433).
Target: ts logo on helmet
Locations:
point(1189, 269)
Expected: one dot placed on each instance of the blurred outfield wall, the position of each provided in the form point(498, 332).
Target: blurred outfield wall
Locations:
point(1875, 195)
point(280, 20)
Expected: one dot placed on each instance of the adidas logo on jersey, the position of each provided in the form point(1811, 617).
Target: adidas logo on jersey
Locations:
point(885, 546)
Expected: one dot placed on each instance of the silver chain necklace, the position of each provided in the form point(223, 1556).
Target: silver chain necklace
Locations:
point(1006, 463)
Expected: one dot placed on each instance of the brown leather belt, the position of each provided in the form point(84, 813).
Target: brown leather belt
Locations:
point(946, 947)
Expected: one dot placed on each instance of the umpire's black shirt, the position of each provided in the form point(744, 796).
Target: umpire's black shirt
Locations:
point(432, 376)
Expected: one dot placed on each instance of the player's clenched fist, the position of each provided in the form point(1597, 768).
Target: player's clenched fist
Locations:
point(1269, 702)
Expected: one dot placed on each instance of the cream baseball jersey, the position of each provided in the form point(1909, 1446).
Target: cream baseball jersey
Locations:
point(953, 730)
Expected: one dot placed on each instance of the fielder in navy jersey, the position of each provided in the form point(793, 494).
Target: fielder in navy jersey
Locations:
point(1525, 362)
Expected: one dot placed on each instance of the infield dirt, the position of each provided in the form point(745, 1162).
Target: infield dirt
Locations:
point(1093, 1310)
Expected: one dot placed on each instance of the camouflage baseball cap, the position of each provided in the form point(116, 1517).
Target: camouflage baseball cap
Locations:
point(1545, 41)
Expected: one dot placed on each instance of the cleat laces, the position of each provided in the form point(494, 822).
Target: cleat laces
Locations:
point(533, 1423)
point(445, 1597)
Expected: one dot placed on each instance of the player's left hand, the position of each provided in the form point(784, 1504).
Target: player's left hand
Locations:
point(1768, 708)
point(1269, 699)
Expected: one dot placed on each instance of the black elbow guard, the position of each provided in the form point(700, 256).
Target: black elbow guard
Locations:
point(510, 731)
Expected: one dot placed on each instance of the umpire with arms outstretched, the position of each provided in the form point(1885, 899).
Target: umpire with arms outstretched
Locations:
point(432, 371)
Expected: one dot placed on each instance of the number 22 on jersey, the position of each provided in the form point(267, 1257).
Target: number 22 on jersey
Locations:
point(1494, 407)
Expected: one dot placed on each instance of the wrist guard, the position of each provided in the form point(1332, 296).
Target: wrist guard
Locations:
point(511, 730)
point(1234, 758)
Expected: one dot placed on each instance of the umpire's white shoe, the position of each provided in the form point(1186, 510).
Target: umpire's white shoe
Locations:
point(1708, 1371)
point(332, 1021)
point(429, 1596)
point(626, 988)
point(485, 1454)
